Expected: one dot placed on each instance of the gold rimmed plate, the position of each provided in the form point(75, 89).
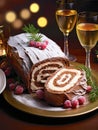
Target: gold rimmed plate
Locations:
point(31, 105)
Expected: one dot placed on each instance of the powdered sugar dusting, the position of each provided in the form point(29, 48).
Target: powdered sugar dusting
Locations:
point(20, 43)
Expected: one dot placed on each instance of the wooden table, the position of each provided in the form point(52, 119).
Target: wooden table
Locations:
point(13, 119)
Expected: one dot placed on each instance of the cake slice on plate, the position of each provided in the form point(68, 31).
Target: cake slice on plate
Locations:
point(41, 71)
point(65, 84)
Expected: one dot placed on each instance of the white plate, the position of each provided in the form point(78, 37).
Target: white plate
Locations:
point(2, 81)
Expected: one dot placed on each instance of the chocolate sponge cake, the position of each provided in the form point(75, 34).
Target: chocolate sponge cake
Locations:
point(41, 71)
point(66, 83)
point(22, 56)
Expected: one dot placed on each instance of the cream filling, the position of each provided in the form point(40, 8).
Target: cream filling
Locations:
point(33, 86)
point(44, 64)
point(41, 76)
point(72, 82)
point(60, 81)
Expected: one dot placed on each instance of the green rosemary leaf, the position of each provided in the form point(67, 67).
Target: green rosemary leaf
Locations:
point(93, 95)
point(33, 31)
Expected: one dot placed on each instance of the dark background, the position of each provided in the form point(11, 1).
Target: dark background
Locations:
point(47, 9)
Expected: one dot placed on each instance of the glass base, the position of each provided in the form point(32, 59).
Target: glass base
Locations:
point(72, 58)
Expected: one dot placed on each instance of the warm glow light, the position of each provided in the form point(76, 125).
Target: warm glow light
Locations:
point(42, 22)
point(17, 23)
point(34, 7)
point(25, 13)
point(10, 16)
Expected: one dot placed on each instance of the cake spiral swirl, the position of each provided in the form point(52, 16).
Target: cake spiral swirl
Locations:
point(65, 83)
point(42, 70)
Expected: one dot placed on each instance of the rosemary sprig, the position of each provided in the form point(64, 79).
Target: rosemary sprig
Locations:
point(34, 33)
point(93, 95)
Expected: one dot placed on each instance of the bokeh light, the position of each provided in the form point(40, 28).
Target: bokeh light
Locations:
point(34, 7)
point(17, 24)
point(42, 22)
point(25, 14)
point(10, 16)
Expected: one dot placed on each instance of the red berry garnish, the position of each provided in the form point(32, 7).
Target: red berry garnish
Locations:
point(40, 94)
point(67, 104)
point(75, 103)
point(32, 43)
point(46, 42)
point(43, 46)
point(38, 44)
point(19, 89)
point(81, 100)
point(89, 88)
point(12, 86)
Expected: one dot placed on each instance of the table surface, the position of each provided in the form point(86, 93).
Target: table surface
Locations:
point(12, 118)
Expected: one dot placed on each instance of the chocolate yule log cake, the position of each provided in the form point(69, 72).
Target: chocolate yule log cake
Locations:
point(22, 56)
point(65, 83)
point(44, 69)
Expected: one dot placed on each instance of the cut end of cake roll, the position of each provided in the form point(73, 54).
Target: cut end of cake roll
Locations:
point(42, 70)
point(66, 83)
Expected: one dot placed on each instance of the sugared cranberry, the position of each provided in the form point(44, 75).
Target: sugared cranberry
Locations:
point(75, 103)
point(12, 86)
point(89, 88)
point(40, 94)
point(81, 100)
point(67, 104)
point(38, 44)
point(19, 89)
point(43, 46)
point(46, 42)
point(32, 43)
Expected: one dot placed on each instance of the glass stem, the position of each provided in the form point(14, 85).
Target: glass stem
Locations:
point(87, 62)
point(66, 50)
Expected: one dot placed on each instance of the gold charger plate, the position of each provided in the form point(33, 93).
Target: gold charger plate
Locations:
point(28, 104)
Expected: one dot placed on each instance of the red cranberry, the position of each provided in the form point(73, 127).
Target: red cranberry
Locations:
point(32, 43)
point(12, 86)
point(75, 103)
point(89, 88)
point(19, 89)
point(40, 94)
point(67, 104)
point(81, 100)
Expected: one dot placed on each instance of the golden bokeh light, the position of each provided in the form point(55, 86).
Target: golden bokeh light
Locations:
point(25, 14)
point(34, 7)
point(10, 16)
point(42, 22)
point(17, 24)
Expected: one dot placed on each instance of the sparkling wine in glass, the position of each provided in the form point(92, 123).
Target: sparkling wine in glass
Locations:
point(66, 17)
point(87, 32)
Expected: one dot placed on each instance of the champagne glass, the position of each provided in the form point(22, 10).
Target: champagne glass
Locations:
point(87, 32)
point(66, 17)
